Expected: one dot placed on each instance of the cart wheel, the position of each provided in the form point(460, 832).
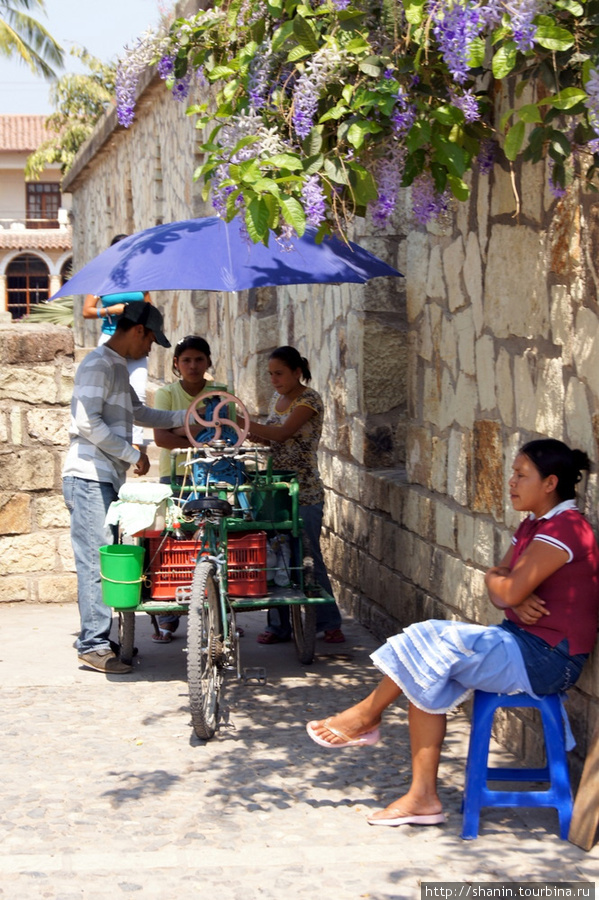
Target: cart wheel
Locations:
point(303, 620)
point(205, 650)
point(126, 636)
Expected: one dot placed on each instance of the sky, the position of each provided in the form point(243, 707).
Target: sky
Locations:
point(104, 27)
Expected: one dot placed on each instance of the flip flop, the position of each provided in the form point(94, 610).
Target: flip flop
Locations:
point(369, 737)
point(393, 820)
point(335, 636)
point(163, 637)
point(267, 637)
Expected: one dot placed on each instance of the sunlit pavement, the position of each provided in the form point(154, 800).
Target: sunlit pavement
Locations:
point(106, 792)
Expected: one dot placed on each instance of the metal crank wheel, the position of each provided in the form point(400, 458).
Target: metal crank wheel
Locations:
point(303, 620)
point(126, 636)
point(205, 650)
point(219, 420)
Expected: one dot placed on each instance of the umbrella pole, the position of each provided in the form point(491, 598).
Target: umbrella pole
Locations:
point(228, 345)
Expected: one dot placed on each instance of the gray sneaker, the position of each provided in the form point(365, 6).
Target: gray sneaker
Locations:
point(105, 660)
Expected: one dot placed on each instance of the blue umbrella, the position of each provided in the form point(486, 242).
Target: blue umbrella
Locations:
point(212, 255)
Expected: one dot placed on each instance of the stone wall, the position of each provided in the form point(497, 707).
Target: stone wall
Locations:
point(430, 382)
point(36, 383)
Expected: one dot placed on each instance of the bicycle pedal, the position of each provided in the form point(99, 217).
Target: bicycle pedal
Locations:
point(254, 675)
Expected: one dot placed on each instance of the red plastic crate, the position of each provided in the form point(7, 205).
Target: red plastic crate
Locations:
point(246, 564)
point(173, 564)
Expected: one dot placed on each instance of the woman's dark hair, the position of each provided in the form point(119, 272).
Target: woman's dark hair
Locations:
point(190, 342)
point(117, 238)
point(553, 457)
point(292, 359)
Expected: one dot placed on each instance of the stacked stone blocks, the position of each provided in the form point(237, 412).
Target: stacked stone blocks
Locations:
point(36, 380)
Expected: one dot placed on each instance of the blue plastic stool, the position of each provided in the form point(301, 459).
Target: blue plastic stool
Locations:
point(477, 794)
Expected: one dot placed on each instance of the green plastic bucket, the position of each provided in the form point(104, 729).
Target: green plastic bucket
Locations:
point(121, 570)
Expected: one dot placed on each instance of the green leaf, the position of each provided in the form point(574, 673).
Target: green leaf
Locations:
point(566, 99)
point(312, 144)
point(448, 115)
point(363, 184)
point(513, 140)
point(281, 35)
point(530, 113)
point(414, 10)
point(371, 66)
point(552, 36)
point(476, 53)
point(505, 118)
point(298, 52)
point(294, 214)
point(419, 135)
point(504, 60)
point(358, 131)
point(283, 161)
point(334, 170)
point(305, 34)
point(449, 154)
point(570, 5)
point(459, 188)
point(347, 92)
point(439, 174)
point(336, 112)
point(313, 164)
point(256, 219)
point(219, 73)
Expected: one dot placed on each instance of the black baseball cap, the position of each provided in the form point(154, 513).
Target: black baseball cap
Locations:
point(145, 314)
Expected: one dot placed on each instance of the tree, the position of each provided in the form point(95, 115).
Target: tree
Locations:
point(79, 101)
point(23, 36)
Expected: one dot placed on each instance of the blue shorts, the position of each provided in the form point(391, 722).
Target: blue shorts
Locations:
point(550, 669)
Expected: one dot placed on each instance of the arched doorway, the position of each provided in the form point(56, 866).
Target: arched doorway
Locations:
point(66, 270)
point(27, 283)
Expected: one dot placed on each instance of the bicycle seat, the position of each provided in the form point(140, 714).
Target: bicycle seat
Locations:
point(214, 505)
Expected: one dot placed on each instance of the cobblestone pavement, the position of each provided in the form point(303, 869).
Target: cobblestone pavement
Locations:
point(106, 793)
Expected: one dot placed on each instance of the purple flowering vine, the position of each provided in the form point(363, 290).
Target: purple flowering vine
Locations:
point(455, 25)
point(467, 102)
point(128, 72)
point(313, 200)
point(522, 13)
point(427, 203)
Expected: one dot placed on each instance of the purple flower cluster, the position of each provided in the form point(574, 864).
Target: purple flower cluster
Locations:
point(305, 104)
point(486, 156)
point(592, 99)
point(341, 4)
point(285, 237)
point(166, 67)
point(128, 71)
point(491, 13)
point(313, 200)
point(427, 204)
point(404, 116)
point(259, 77)
point(388, 174)
point(522, 13)
point(181, 87)
point(455, 25)
point(467, 102)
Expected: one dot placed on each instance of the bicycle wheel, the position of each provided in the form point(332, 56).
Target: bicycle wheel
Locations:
point(205, 650)
point(303, 620)
point(126, 636)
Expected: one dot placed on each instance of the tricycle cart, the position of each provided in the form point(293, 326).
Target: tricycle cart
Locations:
point(217, 557)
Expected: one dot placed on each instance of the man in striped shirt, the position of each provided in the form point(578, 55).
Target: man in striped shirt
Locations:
point(103, 409)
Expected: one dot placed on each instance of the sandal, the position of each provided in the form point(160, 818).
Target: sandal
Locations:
point(334, 636)
point(164, 636)
point(268, 637)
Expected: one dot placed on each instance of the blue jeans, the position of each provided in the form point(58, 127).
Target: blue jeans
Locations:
point(88, 502)
point(550, 669)
point(328, 614)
